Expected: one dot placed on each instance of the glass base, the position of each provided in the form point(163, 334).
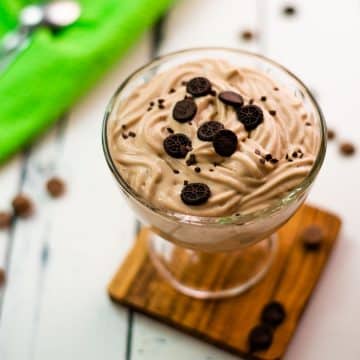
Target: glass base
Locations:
point(214, 275)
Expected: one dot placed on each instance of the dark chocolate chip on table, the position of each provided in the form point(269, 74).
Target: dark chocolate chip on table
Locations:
point(55, 187)
point(273, 314)
point(5, 220)
point(247, 35)
point(198, 86)
point(260, 338)
point(251, 116)
point(177, 145)
point(331, 134)
point(312, 237)
point(22, 205)
point(195, 194)
point(347, 149)
point(225, 143)
point(184, 110)
point(208, 130)
point(231, 98)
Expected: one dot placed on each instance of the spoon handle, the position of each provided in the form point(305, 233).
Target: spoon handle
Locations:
point(13, 43)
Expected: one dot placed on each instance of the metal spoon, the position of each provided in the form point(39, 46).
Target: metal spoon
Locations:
point(55, 14)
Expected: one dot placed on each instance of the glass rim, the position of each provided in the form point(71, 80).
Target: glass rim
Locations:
point(286, 200)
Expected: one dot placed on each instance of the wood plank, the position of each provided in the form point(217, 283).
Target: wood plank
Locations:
point(227, 323)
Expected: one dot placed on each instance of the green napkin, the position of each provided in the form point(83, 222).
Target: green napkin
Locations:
point(57, 68)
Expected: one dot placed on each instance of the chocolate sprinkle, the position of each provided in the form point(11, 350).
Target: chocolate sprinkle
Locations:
point(184, 110)
point(197, 169)
point(247, 35)
point(208, 130)
point(273, 314)
point(5, 220)
point(55, 187)
point(172, 90)
point(231, 98)
point(268, 157)
point(22, 205)
point(251, 116)
point(274, 161)
point(272, 112)
point(132, 134)
point(177, 145)
point(195, 194)
point(198, 86)
point(176, 171)
point(260, 338)
point(170, 130)
point(225, 142)
point(331, 134)
point(347, 149)
point(263, 98)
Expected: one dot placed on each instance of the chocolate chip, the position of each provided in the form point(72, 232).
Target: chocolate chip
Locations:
point(161, 106)
point(251, 101)
point(185, 182)
point(312, 237)
point(274, 161)
point(124, 136)
point(22, 205)
point(295, 154)
point(260, 338)
point(2, 277)
point(132, 134)
point(331, 134)
point(251, 116)
point(308, 124)
point(263, 98)
point(195, 194)
point(247, 35)
point(184, 110)
point(268, 157)
point(151, 103)
point(273, 314)
point(211, 170)
point(225, 142)
point(160, 101)
point(208, 130)
point(177, 145)
point(176, 171)
point(198, 86)
point(197, 169)
point(172, 90)
point(347, 149)
point(276, 89)
point(55, 187)
point(212, 92)
point(5, 220)
point(123, 127)
point(272, 112)
point(231, 98)
point(170, 130)
point(191, 160)
point(289, 10)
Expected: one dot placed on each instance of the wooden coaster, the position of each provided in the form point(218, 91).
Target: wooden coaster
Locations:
point(227, 323)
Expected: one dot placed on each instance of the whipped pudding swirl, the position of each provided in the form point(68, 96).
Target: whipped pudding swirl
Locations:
point(235, 144)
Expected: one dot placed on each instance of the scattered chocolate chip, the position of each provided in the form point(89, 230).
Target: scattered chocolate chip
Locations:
point(5, 220)
point(55, 187)
point(22, 205)
point(184, 83)
point(289, 10)
point(273, 314)
point(225, 142)
point(263, 98)
point(211, 170)
point(191, 160)
point(312, 237)
point(268, 157)
point(198, 86)
point(347, 149)
point(295, 154)
point(331, 134)
point(149, 109)
point(132, 134)
point(172, 90)
point(276, 89)
point(247, 35)
point(272, 112)
point(2, 277)
point(151, 103)
point(260, 338)
point(308, 124)
point(195, 194)
point(237, 214)
point(177, 145)
point(161, 106)
point(185, 182)
point(208, 130)
point(123, 127)
point(251, 101)
point(274, 161)
point(184, 110)
point(197, 169)
point(251, 116)
point(160, 101)
point(124, 136)
point(170, 130)
point(231, 98)
point(176, 171)
point(257, 152)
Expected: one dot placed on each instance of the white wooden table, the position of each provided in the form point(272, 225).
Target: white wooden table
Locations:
point(55, 304)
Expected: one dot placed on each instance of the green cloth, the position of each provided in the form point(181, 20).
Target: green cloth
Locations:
point(52, 73)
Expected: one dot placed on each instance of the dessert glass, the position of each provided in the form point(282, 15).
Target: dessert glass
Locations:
point(215, 257)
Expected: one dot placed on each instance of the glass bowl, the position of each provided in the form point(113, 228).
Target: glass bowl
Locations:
point(184, 248)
